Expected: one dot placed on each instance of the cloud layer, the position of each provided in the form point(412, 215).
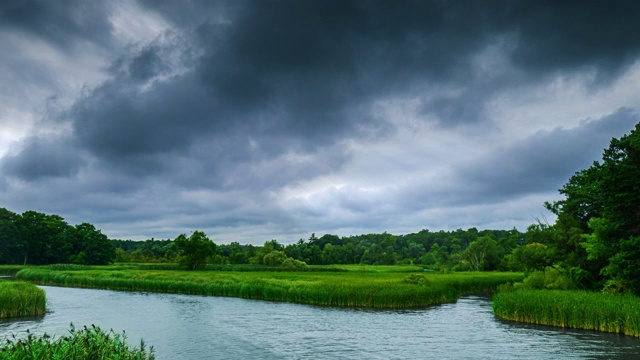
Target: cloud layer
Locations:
point(275, 119)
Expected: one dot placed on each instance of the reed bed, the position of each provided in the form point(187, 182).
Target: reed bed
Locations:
point(19, 298)
point(340, 289)
point(571, 309)
point(89, 343)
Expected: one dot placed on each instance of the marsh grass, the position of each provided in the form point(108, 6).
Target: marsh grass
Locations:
point(89, 343)
point(573, 309)
point(18, 298)
point(10, 270)
point(341, 289)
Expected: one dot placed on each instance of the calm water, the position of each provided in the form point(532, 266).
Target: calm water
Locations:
point(195, 327)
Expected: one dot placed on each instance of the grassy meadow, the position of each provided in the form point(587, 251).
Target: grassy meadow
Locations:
point(88, 343)
point(18, 298)
point(615, 313)
point(369, 287)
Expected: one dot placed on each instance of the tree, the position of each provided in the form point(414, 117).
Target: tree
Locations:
point(533, 256)
point(483, 253)
point(604, 202)
point(194, 250)
point(8, 235)
point(94, 247)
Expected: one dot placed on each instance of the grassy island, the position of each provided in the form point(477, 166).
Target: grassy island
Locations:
point(18, 298)
point(352, 288)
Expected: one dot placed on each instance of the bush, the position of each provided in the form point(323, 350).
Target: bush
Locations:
point(553, 278)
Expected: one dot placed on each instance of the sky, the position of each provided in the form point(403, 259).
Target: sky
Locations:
point(259, 120)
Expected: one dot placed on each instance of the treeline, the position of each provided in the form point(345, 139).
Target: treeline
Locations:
point(459, 250)
point(37, 239)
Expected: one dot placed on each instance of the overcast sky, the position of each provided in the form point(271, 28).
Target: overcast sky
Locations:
point(275, 119)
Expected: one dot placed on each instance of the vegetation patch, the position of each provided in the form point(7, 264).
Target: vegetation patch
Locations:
point(88, 343)
point(9, 270)
point(344, 289)
point(19, 298)
point(616, 313)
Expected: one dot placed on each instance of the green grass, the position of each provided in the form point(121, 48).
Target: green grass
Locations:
point(369, 268)
point(88, 343)
point(574, 309)
point(19, 298)
point(370, 289)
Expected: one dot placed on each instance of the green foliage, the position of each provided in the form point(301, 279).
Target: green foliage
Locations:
point(531, 257)
point(374, 289)
point(274, 258)
point(603, 204)
point(88, 343)
point(575, 309)
point(19, 298)
point(483, 254)
point(40, 239)
point(552, 278)
point(194, 250)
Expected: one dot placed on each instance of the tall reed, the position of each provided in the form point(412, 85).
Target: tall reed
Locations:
point(19, 298)
point(346, 289)
point(573, 309)
point(88, 343)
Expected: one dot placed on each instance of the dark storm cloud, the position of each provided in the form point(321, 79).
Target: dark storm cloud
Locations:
point(311, 56)
point(41, 159)
point(576, 35)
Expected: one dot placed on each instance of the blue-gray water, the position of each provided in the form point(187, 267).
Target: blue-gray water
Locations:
point(196, 327)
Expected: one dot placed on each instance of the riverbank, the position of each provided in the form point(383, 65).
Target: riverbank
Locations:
point(18, 298)
point(339, 289)
point(87, 343)
point(571, 309)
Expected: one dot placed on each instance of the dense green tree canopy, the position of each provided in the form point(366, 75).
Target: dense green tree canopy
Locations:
point(603, 203)
point(194, 250)
point(37, 238)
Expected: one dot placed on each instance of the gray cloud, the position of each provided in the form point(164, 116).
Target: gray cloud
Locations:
point(540, 163)
point(62, 23)
point(238, 102)
point(42, 158)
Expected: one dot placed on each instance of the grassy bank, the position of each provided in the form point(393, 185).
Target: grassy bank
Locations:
point(19, 298)
point(348, 289)
point(10, 270)
point(574, 309)
point(88, 343)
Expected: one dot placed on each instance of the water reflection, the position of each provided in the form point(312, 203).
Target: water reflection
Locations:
point(195, 327)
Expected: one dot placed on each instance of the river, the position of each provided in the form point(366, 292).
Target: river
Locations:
point(198, 327)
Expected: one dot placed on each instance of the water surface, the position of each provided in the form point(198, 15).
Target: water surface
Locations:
point(198, 327)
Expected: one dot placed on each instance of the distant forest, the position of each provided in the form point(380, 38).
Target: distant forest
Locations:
point(594, 243)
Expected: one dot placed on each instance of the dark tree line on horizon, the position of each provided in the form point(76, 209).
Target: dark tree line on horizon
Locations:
point(35, 238)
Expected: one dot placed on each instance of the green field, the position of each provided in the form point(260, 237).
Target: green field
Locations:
point(370, 287)
point(18, 298)
point(573, 309)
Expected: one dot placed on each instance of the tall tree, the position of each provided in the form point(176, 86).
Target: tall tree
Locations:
point(604, 202)
point(194, 249)
point(94, 247)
